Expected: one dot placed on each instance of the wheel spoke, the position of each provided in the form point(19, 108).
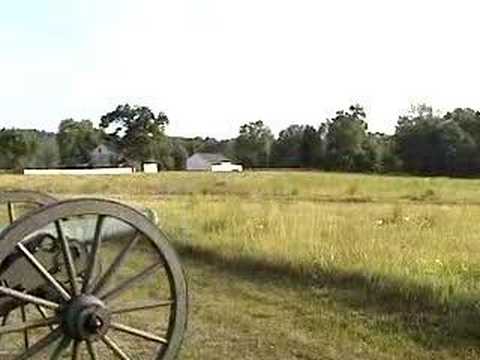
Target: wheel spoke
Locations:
point(44, 272)
point(28, 298)
point(115, 348)
point(61, 347)
point(140, 307)
point(130, 282)
point(76, 350)
point(93, 259)
point(11, 212)
point(4, 321)
point(117, 263)
point(44, 315)
point(34, 324)
point(67, 256)
point(40, 345)
point(25, 331)
point(140, 333)
point(84, 273)
point(91, 350)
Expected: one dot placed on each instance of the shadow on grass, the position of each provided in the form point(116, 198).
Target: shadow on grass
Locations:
point(403, 306)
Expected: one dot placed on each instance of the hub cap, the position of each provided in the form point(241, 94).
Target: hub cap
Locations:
point(86, 318)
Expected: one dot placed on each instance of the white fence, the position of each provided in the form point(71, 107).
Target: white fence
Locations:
point(100, 171)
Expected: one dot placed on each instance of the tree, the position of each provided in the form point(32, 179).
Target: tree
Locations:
point(346, 139)
point(287, 149)
point(47, 154)
point(299, 146)
point(468, 160)
point(76, 140)
point(253, 144)
point(138, 132)
point(211, 145)
point(468, 120)
point(179, 155)
point(312, 149)
point(430, 144)
point(380, 150)
point(192, 145)
point(15, 148)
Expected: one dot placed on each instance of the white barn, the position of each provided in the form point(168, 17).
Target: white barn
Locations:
point(226, 166)
point(150, 167)
point(211, 162)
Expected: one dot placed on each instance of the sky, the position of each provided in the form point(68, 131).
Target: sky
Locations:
point(212, 65)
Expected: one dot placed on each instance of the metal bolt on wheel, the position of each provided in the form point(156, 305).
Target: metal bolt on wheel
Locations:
point(115, 289)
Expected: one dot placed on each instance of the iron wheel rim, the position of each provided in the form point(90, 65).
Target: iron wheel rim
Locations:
point(54, 212)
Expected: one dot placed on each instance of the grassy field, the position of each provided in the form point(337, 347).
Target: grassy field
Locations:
point(308, 265)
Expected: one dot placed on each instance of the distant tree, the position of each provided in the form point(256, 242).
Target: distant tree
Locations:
point(253, 144)
point(468, 152)
point(192, 145)
point(468, 120)
point(47, 154)
point(138, 132)
point(179, 155)
point(346, 140)
point(312, 150)
point(161, 151)
point(381, 155)
point(412, 138)
point(76, 140)
point(210, 145)
point(15, 148)
point(288, 149)
point(430, 144)
point(300, 146)
point(229, 149)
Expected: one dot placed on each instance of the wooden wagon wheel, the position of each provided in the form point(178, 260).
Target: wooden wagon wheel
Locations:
point(91, 316)
point(25, 197)
point(12, 199)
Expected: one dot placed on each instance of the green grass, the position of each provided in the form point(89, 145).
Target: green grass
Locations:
point(310, 186)
point(425, 245)
point(309, 265)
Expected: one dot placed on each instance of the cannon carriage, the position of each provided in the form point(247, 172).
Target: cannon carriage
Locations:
point(87, 279)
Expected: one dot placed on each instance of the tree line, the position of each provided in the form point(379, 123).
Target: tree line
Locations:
point(424, 143)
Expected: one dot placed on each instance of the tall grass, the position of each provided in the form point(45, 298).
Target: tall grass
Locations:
point(316, 186)
point(312, 264)
point(428, 255)
point(416, 238)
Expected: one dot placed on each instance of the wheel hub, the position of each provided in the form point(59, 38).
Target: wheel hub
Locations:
point(86, 318)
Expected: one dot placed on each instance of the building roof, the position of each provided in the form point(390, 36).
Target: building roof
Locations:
point(109, 146)
point(212, 157)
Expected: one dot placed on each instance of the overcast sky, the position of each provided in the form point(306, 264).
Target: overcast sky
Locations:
point(212, 65)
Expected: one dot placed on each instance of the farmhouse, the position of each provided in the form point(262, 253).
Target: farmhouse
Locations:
point(104, 155)
point(211, 162)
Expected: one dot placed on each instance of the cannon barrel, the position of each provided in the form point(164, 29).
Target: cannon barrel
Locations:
point(82, 228)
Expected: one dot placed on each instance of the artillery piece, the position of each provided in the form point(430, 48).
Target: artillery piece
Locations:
point(87, 279)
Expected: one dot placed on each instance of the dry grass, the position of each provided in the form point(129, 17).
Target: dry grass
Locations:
point(316, 186)
point(331, 265)
point(406, 247)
